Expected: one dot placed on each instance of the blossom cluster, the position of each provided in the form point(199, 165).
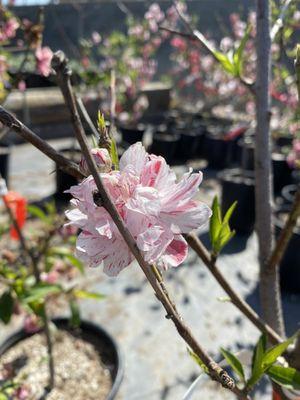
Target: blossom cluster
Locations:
point(155, 208)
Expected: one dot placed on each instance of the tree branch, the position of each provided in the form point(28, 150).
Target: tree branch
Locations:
point(59, 64)
point(196, 244)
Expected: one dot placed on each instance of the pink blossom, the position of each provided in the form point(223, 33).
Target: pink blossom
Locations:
point(179, 43)
point(8, 29)
point(50, 277)
point(22, 393)
point(22, 86)
point(31, 323)
point(102, 160)
point(155, 208)
point(43, 56)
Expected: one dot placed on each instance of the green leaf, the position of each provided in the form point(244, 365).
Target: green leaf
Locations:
point(101, 122)
point(38, 213)
point(238, 54)
point(257, 369)
point(225, 62)
point(287, 377)
point(59, 251)
point(6, 306)
point(234, 362)
point(215, 222)
point(83, 294)
point(114, 153)
point(229, 212)
point(40, 291)
point(3, 396)
point(75, 314)
point(274, 352)
point(198, 361)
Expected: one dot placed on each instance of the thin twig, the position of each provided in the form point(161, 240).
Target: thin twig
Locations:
point(196, 244)
point(11, 121)
point(59, 64)
point(86, 116)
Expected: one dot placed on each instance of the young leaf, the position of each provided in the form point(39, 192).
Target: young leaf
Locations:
point(38, 213)
point(287, 377)
point(229, 212)
point(238, 54)
point(215, 221)
point(40, 291)
point(198, 361)
point(6, 306)
point(75, 262)
point(75, 314)
point(274, 352)
point(83, 294)
point(257, 368)
point(114, 153)
point(234, 362)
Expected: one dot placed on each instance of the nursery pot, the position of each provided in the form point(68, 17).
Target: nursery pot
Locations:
point(63, 180)
point(132, 133)
point(188, 143)
point(4, 161)
point(290, 263)
point(165, 145)
point(281, 172)
point(102, 341)
point(238, 185)
point(217, 151)
point(246, 146)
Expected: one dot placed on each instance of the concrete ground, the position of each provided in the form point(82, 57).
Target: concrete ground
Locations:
point(157, 366)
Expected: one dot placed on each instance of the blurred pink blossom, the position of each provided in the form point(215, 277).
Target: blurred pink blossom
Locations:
point(155, 208)
point(50, 277)
point(8, 29)
point(96, 38)
point(31, 323)
point(43, 56)
point(101, 158)
point(22, 393)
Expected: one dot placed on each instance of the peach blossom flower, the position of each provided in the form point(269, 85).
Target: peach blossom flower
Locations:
point(155, 208)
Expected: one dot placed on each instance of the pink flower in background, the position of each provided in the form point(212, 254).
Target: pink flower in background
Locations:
point(22, 393)
point(155, 208)
point(43, 56)
point(179, 43)
point(8, 29)
point(50, 277)
point(102, 160)
point(22, 86)
point(96, 38)
point(31, 323)
point(293, 158)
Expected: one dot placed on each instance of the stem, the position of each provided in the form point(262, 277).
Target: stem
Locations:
point(269, 279)
point(196, 244)
point(34, 262)
point(86, 116)
point(59, 63)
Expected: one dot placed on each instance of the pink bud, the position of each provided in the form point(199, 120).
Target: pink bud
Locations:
point(50, 277)
point(31, 323)
point(22, 393)
point(102, 159)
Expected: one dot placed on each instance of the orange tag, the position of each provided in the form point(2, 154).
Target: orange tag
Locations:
point(276, 396)
point(17, 204)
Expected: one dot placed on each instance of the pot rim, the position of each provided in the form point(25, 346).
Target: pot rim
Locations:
point(91, 326)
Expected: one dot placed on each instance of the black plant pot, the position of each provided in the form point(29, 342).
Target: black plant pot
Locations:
point(132, 134)
point(281, 172)
point(238, 185)
point(4, 162)
point(165, 145)
point(246, 146)
point(63, 180)
point(188, 143)
point(217, 151)
point(105, 344)
point(290, 263)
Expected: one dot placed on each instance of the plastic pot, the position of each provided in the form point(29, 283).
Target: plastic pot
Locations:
point(217, 151)
point(164, 144)
point(281, 172)
point(132, 133)
point(246, 146)
point(238, 185)
point(188, 143)
point(290, 263)
point(103, 342)
point(4, 161)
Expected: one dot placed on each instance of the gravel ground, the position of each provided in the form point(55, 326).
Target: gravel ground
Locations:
point(157, 366)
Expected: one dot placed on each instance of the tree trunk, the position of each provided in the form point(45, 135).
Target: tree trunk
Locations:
point(269, 279)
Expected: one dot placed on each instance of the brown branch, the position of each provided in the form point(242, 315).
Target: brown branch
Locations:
point(59, 64)
point(285, 234)
point(238, 301)
point(11, 121)
point(86, 116)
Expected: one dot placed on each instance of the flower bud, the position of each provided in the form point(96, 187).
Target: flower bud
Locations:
point(102, 160)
